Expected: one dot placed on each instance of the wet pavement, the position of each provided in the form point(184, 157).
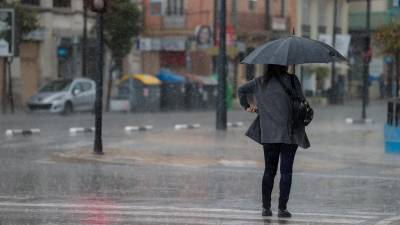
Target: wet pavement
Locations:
point(196, 176)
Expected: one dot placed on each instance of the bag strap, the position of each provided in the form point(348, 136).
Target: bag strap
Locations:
point(287, 90)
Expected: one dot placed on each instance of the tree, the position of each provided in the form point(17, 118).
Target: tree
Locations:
point(26, 21)
point(387, 37)
point(122, 22)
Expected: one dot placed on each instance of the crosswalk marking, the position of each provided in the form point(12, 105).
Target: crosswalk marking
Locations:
point(152, 214)
point(136, 213)
point(367, 215)
point(390, 221)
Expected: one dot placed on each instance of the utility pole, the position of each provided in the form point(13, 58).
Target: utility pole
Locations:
point(84, 39)
point(367, 56)
point(215, 25)
point(222, 61)
point(4, 87)
point(334, 89)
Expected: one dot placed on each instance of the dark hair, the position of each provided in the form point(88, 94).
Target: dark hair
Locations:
point(273, 70)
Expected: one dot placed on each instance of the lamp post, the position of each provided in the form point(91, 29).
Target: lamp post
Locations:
point(222, 61)
point(84, 39)
point(367, 58)
point(99, 6)
point(334, 88)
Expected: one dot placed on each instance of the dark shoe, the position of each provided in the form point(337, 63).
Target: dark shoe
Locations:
point(266, 212)
point(284, 213)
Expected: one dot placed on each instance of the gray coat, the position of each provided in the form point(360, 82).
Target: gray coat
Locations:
point(273, 105)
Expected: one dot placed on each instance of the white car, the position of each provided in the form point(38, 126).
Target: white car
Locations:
point(64, 96)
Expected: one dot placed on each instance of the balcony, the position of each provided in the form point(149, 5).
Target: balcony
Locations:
point(174, 22)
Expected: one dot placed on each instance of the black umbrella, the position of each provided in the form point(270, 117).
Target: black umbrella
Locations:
point(293, 50)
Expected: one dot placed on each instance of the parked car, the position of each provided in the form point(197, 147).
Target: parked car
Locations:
point(64, 96)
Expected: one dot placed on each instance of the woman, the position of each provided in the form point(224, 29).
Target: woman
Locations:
point(279, 138)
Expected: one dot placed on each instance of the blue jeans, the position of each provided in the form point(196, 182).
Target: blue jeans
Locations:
point(272, 153)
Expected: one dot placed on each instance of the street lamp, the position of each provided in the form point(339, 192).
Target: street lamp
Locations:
point(221, 98)
point(99, 6)
point(367, 58)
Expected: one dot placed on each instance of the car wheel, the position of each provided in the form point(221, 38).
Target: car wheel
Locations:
point(68, 108)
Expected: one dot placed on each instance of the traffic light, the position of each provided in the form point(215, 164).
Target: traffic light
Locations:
point(98, 6)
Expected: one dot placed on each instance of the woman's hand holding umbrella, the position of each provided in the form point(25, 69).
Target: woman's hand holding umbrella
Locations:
point(252, 108)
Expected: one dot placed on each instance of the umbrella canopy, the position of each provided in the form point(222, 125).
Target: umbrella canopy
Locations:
point(293, 50)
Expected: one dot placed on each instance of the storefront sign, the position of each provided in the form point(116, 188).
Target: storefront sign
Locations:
point(173, 44)
point(150, 44)
point(159, 44)
point(279, 23)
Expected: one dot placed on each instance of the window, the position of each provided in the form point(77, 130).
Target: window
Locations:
point(30, 2)
point(86, 86)
point(252, 5)
point(322, 13)
point(175, 7)
point(306, 12)
point(339, 10)
point(77, 86)
point(56, 86)
point(282, 8)
point(155, 7)
point(62, 3)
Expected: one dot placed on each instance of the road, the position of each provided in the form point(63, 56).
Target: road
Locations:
point(194, 176)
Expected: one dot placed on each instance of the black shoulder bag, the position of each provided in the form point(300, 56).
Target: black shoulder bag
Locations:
point(302, 113)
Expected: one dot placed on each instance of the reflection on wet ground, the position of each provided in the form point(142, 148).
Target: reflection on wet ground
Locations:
point(192, 176)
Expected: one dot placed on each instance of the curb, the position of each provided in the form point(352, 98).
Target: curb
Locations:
point(359, 121)
point(236, 124)
point(75, 130)
point(138, 128)
point(186, 126)
point(22, 132)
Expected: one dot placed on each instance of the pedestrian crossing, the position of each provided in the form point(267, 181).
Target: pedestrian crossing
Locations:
point(111, 213)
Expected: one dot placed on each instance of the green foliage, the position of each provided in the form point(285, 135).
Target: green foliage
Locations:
point(122, 22)
point(387, 37)
point(26, 19)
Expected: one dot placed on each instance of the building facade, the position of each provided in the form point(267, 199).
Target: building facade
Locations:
point(183, 35)
point(381, 69)
point(315, 20)
point(54, 50)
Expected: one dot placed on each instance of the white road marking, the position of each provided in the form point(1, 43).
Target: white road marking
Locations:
point(94, 209)
point(373, 213)
point(348, 176)
point(186, 126)
point(389, 221)
point(239, 163)
point(21, 131)
point(75, 130)
point(138, 128)
point(179, 211)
